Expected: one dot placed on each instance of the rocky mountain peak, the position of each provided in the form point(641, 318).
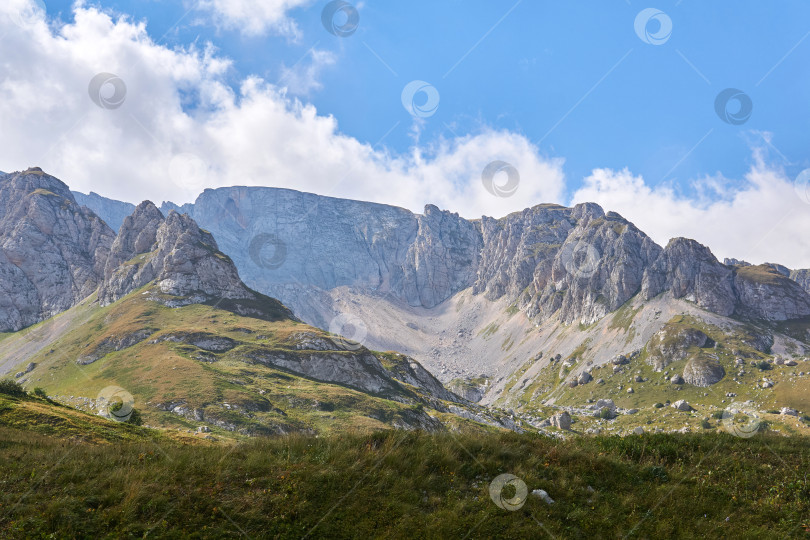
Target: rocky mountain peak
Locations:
point(585, 212)
point(183, 261)
point(689, 270)
point(138, 234)
point(52, 251)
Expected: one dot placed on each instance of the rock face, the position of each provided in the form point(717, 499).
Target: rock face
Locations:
point(766, 293)
point(181, 258)
point(689, 270)
point(703, 372)
point(802, 277)
point(577, 264)
point(52, 251)
point(577, 261)
point(322, 242)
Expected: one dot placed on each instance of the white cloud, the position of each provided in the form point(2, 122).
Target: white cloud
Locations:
point(182, 128)
point(764, 220)
point(155, 146)
point(303, 77)
point(255, 17)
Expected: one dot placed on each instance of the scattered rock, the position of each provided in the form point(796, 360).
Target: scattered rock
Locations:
point(605, 413)
point(541, 494)
point(584, 378)
point(787, 411)
point(606, 403)
point(620, 360)
point(639, 430)
point(561, 420)
point(682, 405)
point(630, 390)
point(791, 363)
point(569, 362)
point(676, 379)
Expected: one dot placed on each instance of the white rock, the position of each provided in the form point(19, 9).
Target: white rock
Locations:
point(541, 494)
point(682, 405)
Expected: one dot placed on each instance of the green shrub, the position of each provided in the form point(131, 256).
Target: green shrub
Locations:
point(764, 366)
point(718, 415)
point(134, 416)
point(658, 405)
point(40, 392)
point(12, 388)
point(705, 424)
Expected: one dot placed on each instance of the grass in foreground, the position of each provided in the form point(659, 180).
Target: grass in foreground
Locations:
point(404, 485)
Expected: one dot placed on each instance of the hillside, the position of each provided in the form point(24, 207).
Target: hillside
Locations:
point(203, 366)
point(406, 485)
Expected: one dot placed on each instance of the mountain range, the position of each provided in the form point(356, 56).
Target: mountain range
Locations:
point(546, 309)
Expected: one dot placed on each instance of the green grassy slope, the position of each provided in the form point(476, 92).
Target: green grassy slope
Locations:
point(406, 485)
point(233, 393)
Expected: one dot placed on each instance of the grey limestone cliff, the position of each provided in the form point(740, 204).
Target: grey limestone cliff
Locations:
point(52, 251)
point(577, 264)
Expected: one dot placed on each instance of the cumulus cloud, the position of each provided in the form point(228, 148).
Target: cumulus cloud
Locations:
point(763, 220)
point(182, 128)
point(255, 17)
point(304, 77)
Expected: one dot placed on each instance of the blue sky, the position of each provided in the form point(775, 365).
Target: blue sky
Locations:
point(652, 112)
point(582, 101)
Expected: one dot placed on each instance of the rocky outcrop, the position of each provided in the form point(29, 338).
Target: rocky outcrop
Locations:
point(577, 261)
point(703, 372)
point(672, 344)
point(183, 261)
point(201, 340)
point(52, 251)
point(765, 292)
point(802, 277)
point(116, 343)
point(137, 235)
point(360, 370)
point(561, 421)
point(689, 270)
